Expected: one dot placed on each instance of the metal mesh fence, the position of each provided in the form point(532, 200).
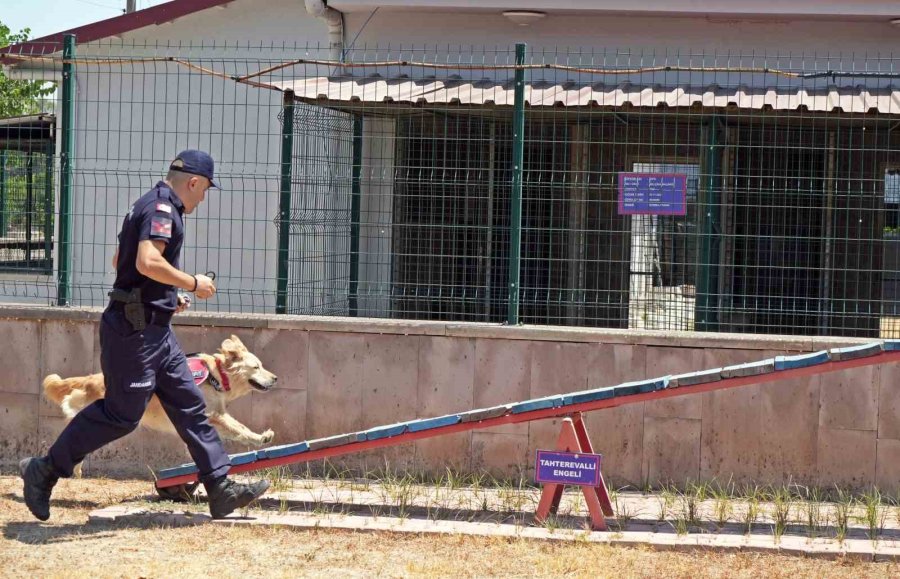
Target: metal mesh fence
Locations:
point(671, 191)
point(26, 212)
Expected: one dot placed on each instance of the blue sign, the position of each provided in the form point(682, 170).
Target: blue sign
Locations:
point(652, 194)
point(567, 468)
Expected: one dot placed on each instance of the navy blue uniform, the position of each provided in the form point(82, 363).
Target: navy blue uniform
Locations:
point(138, 364)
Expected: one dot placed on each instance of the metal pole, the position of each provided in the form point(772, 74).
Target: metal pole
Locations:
point(706, 313)
point(354, 215)
point(66, 167)
point(284, 219)
point(515, 210)
point(825, 302)
point(579, 165)
point(3, 193)
point(48, 205)
point(29, 204)
point(489, 238)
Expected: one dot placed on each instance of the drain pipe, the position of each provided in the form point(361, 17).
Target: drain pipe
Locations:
point(335, 21)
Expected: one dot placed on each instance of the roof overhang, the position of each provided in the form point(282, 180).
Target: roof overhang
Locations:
point(111, 27)
point(27, 132)
point(453, 90)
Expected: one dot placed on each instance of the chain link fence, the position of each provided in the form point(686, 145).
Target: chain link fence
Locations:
point(669, 191)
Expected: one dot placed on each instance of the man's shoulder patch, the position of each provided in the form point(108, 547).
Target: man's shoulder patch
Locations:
point(164, 207)
point(160, 226)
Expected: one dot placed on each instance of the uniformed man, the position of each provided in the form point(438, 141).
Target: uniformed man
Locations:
point(139, 354)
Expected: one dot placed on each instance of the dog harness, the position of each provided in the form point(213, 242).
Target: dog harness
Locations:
point(201, 373)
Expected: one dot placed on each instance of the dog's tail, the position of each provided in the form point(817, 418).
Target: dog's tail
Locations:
point(55, 388)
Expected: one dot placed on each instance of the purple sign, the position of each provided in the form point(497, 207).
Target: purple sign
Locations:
point(568, 468)
point(652, 194)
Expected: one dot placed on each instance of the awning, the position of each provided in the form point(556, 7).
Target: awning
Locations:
point(456, 90)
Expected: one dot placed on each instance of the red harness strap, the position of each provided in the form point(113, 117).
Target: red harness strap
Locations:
point(226, 384)
point(201, 373)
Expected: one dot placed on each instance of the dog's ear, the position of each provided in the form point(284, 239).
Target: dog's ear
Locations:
point(233, 348)
point(238, 343)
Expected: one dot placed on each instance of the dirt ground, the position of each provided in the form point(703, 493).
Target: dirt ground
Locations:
point(69, 546)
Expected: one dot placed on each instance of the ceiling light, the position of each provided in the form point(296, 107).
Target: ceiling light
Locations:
point(524, 17)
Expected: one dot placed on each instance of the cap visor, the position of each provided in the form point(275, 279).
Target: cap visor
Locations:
point(214, 184)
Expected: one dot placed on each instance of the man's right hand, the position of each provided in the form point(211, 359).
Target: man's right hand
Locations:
point(205, 287)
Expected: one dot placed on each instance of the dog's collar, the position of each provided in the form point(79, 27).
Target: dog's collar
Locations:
point(226, 384)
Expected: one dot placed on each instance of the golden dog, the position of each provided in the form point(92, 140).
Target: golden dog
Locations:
point(244, 374)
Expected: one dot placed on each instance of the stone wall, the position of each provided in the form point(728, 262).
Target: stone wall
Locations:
point(341, 375)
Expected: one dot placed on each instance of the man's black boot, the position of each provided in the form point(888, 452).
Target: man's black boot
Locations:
point(39, 478)
point(225, 495)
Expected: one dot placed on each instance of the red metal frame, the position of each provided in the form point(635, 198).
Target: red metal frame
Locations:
point(573, 437)
point(548, 413)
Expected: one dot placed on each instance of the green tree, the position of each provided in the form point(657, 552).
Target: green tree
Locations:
point(19, 97)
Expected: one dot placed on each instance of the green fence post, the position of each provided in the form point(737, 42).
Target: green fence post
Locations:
point(3, 193)
point(66, 169)
point(48, 206)
point(29, 205)
point(515, 209)
point(706, 307)
point(353, 303)
point(284, 219)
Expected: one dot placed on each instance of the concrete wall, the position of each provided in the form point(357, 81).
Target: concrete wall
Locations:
point(344, 375)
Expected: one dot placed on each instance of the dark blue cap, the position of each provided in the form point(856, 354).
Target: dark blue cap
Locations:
point(196, 163)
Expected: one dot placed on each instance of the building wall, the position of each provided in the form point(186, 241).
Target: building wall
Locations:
point(593, 36)
point(339, 376)
point(131, 120)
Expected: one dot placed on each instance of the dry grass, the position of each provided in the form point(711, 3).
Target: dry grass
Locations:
point(70, 547)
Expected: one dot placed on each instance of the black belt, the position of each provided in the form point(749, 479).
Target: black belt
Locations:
point(151, 315)
point(136, 312)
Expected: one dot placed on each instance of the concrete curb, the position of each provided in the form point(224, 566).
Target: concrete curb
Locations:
point(789, 545)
